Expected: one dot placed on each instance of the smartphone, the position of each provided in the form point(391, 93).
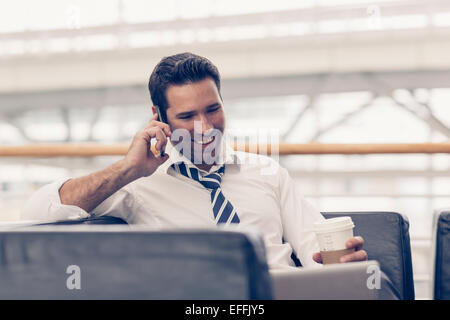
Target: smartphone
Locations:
point(160, 118)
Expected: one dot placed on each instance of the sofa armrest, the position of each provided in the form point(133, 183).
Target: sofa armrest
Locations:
point(386, 236)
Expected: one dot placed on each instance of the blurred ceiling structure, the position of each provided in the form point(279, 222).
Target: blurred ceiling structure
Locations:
point(377, 46)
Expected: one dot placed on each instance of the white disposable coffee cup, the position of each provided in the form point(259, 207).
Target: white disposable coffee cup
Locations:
point(332, 234)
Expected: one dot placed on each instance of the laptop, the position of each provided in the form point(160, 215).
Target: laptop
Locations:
point(347, 281)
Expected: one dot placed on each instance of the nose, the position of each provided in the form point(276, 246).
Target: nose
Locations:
point(204, 125)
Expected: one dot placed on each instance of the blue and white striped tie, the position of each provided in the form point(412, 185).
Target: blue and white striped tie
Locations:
point(223, 210)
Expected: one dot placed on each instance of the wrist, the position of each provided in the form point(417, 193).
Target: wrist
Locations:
point(126, 172)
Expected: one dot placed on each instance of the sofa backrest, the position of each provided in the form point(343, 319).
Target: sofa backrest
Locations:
point(116, 262)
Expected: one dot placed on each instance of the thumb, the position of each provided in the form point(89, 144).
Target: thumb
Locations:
point(161, 160)
point(317, 257)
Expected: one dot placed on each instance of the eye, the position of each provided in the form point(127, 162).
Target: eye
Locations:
point(185, 116)
point(214, 109)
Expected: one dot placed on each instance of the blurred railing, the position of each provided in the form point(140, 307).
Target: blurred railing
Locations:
point(92, 150)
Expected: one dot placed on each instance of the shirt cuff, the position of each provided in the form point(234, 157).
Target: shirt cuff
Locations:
point(45, 204)
point(63, 211)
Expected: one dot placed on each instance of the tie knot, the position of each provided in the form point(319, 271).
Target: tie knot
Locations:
point(210, 181)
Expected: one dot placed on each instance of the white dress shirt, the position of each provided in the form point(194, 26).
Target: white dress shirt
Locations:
point(261, 191)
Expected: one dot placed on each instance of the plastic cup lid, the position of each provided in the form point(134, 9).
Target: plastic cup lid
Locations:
point(333, 224)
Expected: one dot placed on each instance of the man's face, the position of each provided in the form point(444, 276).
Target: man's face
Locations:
point(198, 109)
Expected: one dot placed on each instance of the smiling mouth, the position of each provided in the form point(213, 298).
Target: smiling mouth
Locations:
point(205, 141)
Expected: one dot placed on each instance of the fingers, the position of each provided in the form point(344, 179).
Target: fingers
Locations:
point(161, 140)
point(162, 159)
point(155, 132)
point(355, 243)
point(317, 257)
point(155, 123)
point(360, 255)
point(154, 117)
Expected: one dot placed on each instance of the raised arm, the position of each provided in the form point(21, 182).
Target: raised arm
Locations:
point(77, 197)
point(89, 191)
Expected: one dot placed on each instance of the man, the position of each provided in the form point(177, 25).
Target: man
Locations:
point(194, 179)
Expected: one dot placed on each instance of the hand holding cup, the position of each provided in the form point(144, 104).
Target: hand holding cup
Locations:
point(337, 243)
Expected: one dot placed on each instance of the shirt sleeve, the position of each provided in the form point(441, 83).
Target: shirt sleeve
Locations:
point(298, 216)
point(45, 204)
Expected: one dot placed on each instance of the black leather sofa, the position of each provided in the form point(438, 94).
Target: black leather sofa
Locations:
point(441, 237)
point(386, 237)
point(180, 265)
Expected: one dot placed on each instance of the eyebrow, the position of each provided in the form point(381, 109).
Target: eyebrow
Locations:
point(189, 113)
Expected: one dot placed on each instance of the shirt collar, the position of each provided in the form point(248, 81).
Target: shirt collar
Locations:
point(228, 157)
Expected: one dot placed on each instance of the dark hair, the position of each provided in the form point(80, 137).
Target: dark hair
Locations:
point(179, 69)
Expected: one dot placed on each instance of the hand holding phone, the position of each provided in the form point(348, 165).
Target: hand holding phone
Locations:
point(141, 160)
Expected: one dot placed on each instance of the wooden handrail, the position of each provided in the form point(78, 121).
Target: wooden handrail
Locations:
point(92, 150)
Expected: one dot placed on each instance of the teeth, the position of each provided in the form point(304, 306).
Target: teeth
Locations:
point(205, 140)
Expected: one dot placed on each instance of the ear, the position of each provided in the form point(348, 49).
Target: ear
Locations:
point(153, 109)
